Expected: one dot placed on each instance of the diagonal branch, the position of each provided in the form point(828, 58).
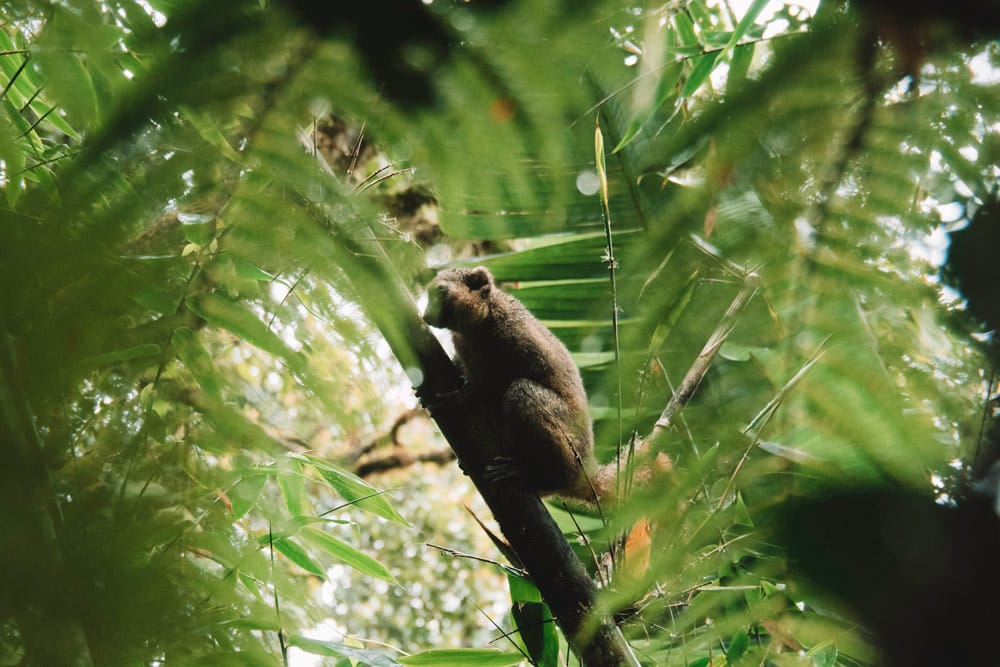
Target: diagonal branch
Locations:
point(704, 359)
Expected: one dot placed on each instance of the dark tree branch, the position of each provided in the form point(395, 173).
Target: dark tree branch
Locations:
point(392, 436)
point(400, 457)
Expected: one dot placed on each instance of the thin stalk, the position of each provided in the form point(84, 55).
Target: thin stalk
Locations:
point(702, 363)
point(602, 174)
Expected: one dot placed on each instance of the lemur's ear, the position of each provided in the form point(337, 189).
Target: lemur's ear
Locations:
point(478, 278)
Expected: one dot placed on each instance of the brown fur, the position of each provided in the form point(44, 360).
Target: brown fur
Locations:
point(526, 379)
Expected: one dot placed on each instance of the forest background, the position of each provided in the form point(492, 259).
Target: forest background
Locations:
point(217, 220)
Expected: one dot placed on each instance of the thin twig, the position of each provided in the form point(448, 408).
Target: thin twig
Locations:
point(981, 436)
point(658, 69)
point(505, 635)
point(42, 163)
point(454, 553)
point(373, 175)
point(36, 123)
point(586, 542)
point(31, 100)
point(610, 258)
point(386, 177)
point(357, 151)
point(17, 73)
point(754, 427)
point(379, 492)
point(277, 609)
point(702, 363)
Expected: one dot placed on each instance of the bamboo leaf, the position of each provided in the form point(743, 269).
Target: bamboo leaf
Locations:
point(343, 551)
point(297, 555)
point(355, 490)
point(243, 496)
point(332, 649)
point(143, 351)
point(462, 658)
point(236, 319)
point(292, 485)
point(744, 25)
point(703, 67)
point(197, 360)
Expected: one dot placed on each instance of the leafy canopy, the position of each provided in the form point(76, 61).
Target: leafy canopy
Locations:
point(183, 301)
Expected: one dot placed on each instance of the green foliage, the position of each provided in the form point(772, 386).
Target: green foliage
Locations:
point(184, 307)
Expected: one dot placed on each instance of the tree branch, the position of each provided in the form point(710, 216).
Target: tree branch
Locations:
point(400, 457)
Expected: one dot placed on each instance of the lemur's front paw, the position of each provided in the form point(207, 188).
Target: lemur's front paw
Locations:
point(444, 399)
point(500, 469)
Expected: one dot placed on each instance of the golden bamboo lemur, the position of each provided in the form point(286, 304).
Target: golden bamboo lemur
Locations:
point(523, 374)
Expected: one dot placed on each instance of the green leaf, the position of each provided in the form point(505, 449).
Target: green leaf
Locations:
point(143, 351)
point(64, 69)
point(251, 585)
point(684, 28)
point(156, 298)
point(536, 627)
point(631, 132)
point(823, 654)
point(738, 646)
point(748, 20)
point(197, 360)
point(297, 555)
point(235, 428)
point(248, 270)
point(292, 485)
point(236, 319)
point(209, 130)
point(703, 66)
point(522, 589)
point(355, 490)
point(742, 516)
point(462, 658)
point(263, 624)
point(671, 315)
point(244, 495)
point(198, 228)
point(343, 551)
point(338, 650)
point(739, 66)
point(225, 271)
point(665, 89)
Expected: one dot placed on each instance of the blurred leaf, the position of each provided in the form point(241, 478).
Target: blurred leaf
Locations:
point(753, 11)
point(345, 552)
point(292, 485)
point(703, 67)
point(823, 654)
point(144, 351)
point(197, 360)
point(245, 493)
point(233, 426)
point(338, 650)
point(355, 490)
point(242, 323)
point(738, 645)
point(465, 657)
point(296, 554)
